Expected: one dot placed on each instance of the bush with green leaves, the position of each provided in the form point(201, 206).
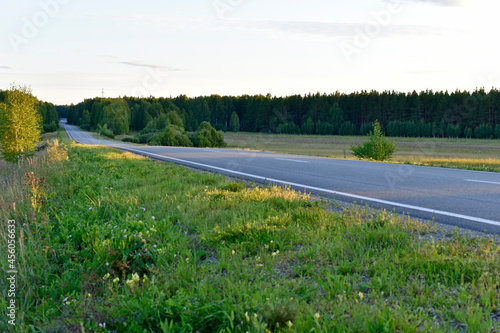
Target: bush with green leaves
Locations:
point(207, 136)
point(378, 148)
point(20, 124)
point(104, 130)
point(131, 139)
point(174, 136)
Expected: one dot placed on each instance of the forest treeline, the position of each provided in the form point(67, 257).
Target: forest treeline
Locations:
point(425, 114)
point(48, 111)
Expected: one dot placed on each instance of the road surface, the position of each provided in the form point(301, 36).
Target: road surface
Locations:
point(468, 199)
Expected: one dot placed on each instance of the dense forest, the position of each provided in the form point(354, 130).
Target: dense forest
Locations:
point(425, 114)
point(48, 111)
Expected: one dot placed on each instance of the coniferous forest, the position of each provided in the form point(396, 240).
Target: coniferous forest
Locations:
point(425, 114)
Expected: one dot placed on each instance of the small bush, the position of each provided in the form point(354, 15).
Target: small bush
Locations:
point(378, 148)
point(174, 136)
point(131, 139)
point(207, 136)
point(52, 127)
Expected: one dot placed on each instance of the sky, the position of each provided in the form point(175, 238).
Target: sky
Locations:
point(70, 50)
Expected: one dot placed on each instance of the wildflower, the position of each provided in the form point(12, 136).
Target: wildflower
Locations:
point(187, 259)
point(125, 236)
point(246, 316)
point(316, 315)
point(64, 300)
point(145, 250)
point(70, 236)
point(90, 208)
point(361, 296)
point(106, 276)
point(154, 218)
point(135, 277)
point(290, 324)
point(116, 280)
point(234, 252)
point(89, 295)
point(154, 246)
point(102, 325)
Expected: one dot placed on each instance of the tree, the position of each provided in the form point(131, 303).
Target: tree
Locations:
point(235, 122)
point(20, 123)
point(378, 148)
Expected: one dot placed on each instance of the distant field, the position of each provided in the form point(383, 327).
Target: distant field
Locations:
point(459, 153)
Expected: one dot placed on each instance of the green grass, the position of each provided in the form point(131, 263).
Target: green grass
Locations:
point(470, 154)
point(145, 246)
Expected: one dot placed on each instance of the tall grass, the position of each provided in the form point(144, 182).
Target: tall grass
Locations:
point(120, 243)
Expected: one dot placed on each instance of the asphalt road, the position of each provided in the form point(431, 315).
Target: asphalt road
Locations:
point(468, 199)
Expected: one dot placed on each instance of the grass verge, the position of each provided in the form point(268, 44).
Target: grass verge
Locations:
point(112, 242)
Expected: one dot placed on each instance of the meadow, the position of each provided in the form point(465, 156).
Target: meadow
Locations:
point(473, 154)
point(112, 242)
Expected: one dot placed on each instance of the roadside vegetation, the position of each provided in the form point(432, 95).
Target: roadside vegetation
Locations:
point(112, 242)
point(377, 148)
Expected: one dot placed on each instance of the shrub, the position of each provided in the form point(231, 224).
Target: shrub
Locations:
point(207, 136)
point(378, 148)
point(174, 136)
point(52, 127)
point(131, 139)
point(107, 132)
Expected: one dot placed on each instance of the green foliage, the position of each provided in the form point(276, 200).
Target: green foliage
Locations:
point(117, 116)
point(207, 136)
point(483, 131)
point(468, 132)
point(377, 148)
point(235, 122)
point(174, 136)
point(131, 139)
point(20, 124)
point(347, 128)
point(106, 132)
point(497, 131)
point(308, 127)
point(47, 128)
point(288, 128)
point(118, 243)
point(453, 131)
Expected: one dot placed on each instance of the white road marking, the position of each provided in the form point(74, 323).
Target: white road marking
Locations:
point(290, 160)
point(481, 181)
point(319, 189)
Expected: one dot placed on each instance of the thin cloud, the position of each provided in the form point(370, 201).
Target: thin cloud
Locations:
point(152, 66)
point(5, 67)
point(449, 3)
point(332, 30)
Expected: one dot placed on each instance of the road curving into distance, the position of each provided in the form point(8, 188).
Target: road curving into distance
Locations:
point(467, 199)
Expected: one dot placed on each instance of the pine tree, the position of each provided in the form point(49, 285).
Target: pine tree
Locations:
point(20, 124)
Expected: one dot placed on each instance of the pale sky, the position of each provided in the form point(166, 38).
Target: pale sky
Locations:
point(69, 50)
